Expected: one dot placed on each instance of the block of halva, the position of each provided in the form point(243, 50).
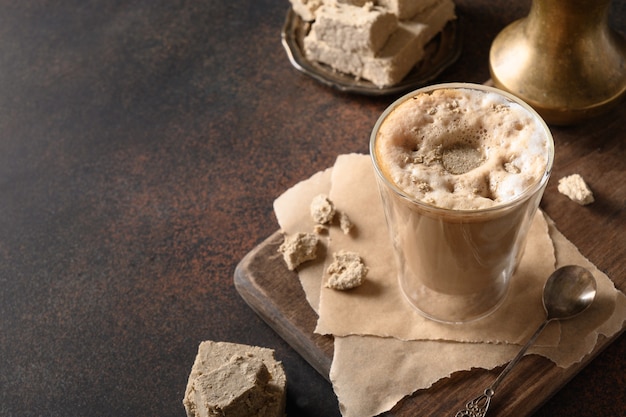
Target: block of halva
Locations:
point(234, 380)
point(352, 28)
point(402, 50)
point(406, 9)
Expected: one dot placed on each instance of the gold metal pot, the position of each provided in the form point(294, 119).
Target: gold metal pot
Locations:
point(562, 59)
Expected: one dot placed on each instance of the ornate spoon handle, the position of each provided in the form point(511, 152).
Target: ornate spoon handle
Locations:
point(478, 406)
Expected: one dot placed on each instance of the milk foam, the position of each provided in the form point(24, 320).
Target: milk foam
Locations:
point(462, 148)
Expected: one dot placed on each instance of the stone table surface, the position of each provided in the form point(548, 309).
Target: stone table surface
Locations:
point(142, 144)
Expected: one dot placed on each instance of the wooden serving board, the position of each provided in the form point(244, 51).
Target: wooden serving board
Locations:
point(275, 293)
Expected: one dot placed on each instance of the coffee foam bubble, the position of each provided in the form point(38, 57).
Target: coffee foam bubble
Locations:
point(462, 148)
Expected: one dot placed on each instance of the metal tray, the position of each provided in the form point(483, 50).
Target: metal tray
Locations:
point(439, 54)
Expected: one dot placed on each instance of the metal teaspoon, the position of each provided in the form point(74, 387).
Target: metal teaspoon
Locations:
point(567, 292)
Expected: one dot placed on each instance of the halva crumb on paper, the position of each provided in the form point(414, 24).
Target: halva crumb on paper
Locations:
point(322, 209)
point(233, 380)
point(346, 271)
point(575, 187)
point(345, 223)
point(320, 229)
point(298, 248)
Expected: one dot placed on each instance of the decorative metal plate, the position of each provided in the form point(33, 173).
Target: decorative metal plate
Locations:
point(439, 54)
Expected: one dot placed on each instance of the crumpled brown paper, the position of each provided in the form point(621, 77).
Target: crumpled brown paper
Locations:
point(360, 368)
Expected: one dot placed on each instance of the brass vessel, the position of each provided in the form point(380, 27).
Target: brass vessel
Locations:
point(562, 59)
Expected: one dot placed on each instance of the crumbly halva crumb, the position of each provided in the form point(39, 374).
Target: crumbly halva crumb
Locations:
point(322, 209)
point(347, 271)
point(345, 223)
point(320, 229)
point(306, 9)
point(298, 248)
point(576, 189)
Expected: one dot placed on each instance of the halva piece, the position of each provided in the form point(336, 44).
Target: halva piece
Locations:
point(406, 9)
point(352, 28)
point(322, 209)
point(402, 50)
point(298, 248)
point(352, 2)
point(237, 388)
point(435, 17)
point(320, 229)
point(306, 9)
point(346, 271)
point(575, 187)
point(345, 223)
point(233, 380)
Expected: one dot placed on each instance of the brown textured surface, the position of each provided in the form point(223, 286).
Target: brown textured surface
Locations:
point(141, 146)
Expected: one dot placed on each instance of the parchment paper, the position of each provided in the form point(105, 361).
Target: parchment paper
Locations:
point(360, 371)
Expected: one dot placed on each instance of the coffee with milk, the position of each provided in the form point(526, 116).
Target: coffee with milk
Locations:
point(461, 169)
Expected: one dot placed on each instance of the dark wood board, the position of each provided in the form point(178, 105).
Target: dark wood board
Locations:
point(275, 293)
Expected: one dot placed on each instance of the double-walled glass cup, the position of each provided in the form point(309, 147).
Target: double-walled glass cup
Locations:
point(454, 265)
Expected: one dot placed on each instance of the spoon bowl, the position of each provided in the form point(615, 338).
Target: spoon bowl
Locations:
point(568, 292)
